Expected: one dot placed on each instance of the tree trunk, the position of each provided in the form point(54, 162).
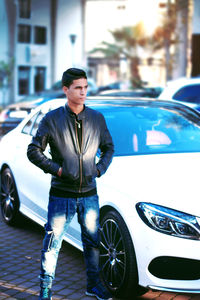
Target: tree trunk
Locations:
point(135, 76)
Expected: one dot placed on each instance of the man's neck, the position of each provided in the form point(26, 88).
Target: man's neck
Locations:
point(76, 108)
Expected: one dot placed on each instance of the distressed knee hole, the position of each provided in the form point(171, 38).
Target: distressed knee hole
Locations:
point(90, 220)
point(58, 225)
point(50, 261)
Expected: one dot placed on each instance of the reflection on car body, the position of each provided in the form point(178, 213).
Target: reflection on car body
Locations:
point(149, 198)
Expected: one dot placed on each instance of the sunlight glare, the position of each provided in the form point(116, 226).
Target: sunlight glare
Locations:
point(102, 16)
point(145, 11)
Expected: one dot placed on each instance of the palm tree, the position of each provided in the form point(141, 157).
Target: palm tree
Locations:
point(129, 40)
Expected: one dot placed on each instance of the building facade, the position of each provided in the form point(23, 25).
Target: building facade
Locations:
point(42, 38)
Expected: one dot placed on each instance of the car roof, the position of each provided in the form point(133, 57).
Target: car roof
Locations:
point(174, 85)
point(115, 102)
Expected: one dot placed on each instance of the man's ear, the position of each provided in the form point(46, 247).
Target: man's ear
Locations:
point(65, 89)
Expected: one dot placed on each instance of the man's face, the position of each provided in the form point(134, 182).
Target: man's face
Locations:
point(77, 91)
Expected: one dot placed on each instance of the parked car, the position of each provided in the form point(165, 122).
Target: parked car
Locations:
point(13, 114)
point(149, 197)
point(111, 86)
point(184, 90)
point(145, 92)
point(124, 90)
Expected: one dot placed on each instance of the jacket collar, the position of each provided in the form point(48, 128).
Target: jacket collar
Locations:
point(80, 116)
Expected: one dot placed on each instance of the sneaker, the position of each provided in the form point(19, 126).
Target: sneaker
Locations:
point(45, 294)
point(99, 292)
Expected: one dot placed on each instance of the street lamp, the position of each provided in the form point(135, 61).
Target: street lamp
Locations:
point(72, 40)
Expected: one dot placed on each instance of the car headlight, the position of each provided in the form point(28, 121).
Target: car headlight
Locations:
point(169, 221)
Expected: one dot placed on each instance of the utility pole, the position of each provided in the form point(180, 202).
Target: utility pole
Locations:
point(183, 32)
point(167, 44)
point(73, 40)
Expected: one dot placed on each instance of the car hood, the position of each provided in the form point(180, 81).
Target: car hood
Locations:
point(171, 180)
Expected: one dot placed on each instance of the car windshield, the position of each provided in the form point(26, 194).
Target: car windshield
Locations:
point(147, 130)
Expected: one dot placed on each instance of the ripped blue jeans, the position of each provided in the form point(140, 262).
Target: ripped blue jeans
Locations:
point(60, 214)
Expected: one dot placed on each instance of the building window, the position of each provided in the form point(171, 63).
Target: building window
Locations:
point(25, 9)
point(40, 34)
point(24, 33)
point(39, 79)
point(23, 80)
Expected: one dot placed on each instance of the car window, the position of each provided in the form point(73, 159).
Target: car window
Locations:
point(144, 130)
point(140, 130)
point(36, 123)
point(32, 125)
point(190, 93)
point(27, 128)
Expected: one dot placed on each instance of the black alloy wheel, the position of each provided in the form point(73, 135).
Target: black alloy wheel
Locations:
point(117, 257)
point(9, 198)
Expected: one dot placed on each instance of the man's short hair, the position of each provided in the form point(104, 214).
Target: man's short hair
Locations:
point(72, 74)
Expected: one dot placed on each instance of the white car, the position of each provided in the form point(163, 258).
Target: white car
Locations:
point(184, 90)
point(149, 197)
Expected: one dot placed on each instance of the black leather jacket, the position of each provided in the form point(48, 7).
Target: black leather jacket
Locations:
point(58, 128)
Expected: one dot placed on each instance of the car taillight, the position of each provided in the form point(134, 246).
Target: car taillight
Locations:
point(3, 115)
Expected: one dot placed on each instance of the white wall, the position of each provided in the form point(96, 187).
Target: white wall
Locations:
point(69, 21)
point(4, 45)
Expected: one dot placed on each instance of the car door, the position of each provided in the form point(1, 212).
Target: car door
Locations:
point(34, 184)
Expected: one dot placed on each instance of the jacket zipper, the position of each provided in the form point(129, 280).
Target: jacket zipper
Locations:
point(80, 152)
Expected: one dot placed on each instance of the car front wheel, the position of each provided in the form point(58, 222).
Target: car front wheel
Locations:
point(117, 257)
point(9, 198)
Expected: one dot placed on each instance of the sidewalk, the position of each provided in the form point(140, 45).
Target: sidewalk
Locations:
point(20, 263)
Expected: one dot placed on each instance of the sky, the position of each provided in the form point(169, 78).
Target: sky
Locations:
point(104, 15)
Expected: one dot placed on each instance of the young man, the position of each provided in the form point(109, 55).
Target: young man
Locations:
point(74, 133)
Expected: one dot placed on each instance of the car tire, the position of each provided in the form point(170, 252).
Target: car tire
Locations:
point(9, 198)
point(117, 257)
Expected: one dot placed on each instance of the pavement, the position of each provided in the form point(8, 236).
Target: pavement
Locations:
point(20, 263)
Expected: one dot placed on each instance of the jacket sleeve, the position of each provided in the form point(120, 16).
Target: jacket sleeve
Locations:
point(106, 147)
point(36, 148)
